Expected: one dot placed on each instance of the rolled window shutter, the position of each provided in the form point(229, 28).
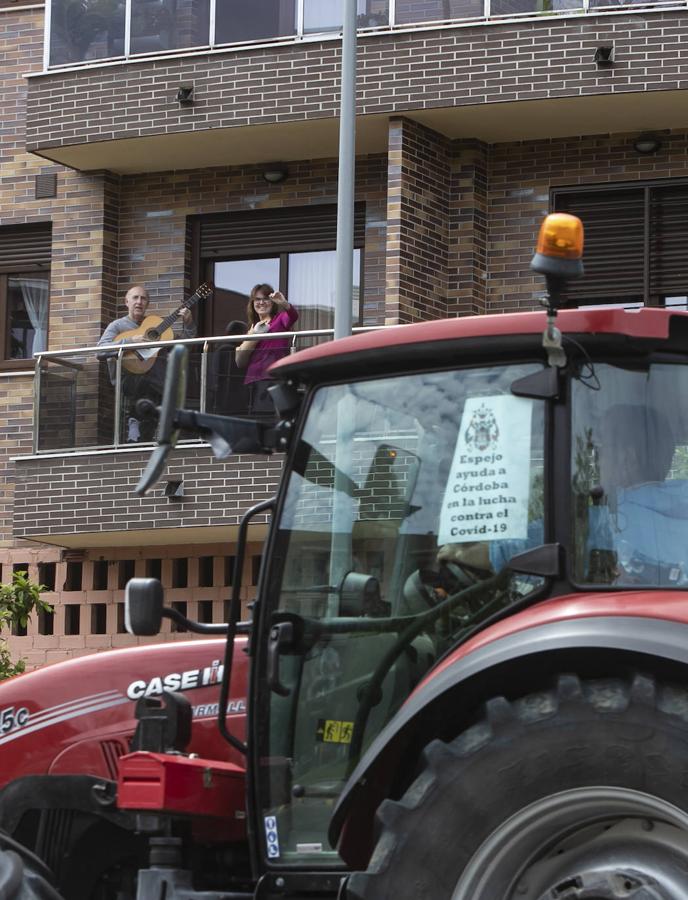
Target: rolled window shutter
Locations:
point(669, 241)
point(24, 248)
point(613, 256)
point(267, 232)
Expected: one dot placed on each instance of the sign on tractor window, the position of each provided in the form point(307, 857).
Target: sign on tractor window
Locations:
point(486, 497)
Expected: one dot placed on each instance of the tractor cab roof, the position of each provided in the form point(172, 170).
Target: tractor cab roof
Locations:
point(439, 342)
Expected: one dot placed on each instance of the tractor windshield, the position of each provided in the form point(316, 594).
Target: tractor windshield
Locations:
point(406, 498)
point(630, 477)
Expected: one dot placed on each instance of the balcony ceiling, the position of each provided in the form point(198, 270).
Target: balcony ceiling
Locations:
point(317, 139)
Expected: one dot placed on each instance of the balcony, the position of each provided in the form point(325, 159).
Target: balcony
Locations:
point(76, 490)
point(265, 76)
point(84, 399)
point(108, 30)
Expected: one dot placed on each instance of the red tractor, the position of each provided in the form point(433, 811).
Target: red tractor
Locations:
point(469, 652)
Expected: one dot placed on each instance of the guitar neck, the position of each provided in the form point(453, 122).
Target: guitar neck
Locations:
point(168, 321)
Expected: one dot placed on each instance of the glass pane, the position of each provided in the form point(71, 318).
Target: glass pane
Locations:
point(513, 7)
point(27, 305)
point(237, 20)
point(408, 11)
point(312, 280)
point(240, 275)
point(169, 24)
point(597, 3)
point(76, 406)
point(408, 496)
point(86, 29)
point(327, 15)
point(630, 476)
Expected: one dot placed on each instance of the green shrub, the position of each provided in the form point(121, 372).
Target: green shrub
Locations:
point(17, 601)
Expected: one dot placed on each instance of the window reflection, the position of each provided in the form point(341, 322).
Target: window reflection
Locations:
point(312, 280)
point(237, 20)
point(86, 29)
point(409, 11)
point(168, 24)
point(327, 15)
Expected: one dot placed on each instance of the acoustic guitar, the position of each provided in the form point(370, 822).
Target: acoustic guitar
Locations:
point(155, 328)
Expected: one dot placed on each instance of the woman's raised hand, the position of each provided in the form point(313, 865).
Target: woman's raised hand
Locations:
point(279, 298)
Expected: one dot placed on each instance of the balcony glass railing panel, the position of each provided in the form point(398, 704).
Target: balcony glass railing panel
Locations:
point(411, 12)
point(602, 4)
point(237, 21)
point(519, 7)
point(81, 30)
point(76, 404)
point(158, 25)
point(320, 16)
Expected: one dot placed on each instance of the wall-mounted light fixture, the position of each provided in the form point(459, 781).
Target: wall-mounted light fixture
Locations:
point(647, 143)
point(604, 56)
point(274, 173)
point(174, 489)
point(185, 95)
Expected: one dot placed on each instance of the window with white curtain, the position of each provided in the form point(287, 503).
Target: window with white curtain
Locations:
point(24, 292)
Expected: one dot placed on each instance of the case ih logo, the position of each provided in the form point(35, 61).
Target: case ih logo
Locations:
point(176, 681)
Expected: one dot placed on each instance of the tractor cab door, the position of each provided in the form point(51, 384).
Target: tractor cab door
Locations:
point(380, 560)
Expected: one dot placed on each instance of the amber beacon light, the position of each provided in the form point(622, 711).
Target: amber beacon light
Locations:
point(559, 249)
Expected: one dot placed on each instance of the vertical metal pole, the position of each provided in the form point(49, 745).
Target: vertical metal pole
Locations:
point(127, 28)
point(347, 166)
point(37, 402)
point(118, 399)
point(204, 375)
point(212, 23)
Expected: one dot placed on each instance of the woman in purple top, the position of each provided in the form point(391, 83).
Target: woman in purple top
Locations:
point(267, 312)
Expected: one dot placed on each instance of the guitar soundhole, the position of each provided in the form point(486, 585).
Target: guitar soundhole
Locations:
point(152, 334)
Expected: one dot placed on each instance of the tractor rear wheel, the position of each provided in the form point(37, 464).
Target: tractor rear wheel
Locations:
point(578, 792)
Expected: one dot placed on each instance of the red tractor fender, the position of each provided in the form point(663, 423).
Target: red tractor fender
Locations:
point(520, 650)
point(77, 717)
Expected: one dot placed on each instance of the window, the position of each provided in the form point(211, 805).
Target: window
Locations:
point(635, 238)
point(629, 468)
point(291, 249)
point(24, 292)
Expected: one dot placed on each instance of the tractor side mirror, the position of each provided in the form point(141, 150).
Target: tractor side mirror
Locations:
point(143, 602)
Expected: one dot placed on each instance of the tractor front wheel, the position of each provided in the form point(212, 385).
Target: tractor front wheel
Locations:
point(575, 792)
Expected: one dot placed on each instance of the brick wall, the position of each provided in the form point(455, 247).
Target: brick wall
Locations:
point(468, 234)
point(16, 414)
point(418, 201)
point(95, 494)
point(88, 598)
point(445, 68)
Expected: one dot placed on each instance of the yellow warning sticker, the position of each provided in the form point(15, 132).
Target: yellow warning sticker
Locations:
point(334, 731)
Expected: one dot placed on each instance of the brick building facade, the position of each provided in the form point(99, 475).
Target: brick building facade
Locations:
point(467, 133)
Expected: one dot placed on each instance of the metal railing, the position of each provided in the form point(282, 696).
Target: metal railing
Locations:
point(109, 30)
point(85, 398)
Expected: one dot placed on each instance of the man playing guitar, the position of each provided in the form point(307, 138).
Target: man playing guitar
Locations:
point(149, 384)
